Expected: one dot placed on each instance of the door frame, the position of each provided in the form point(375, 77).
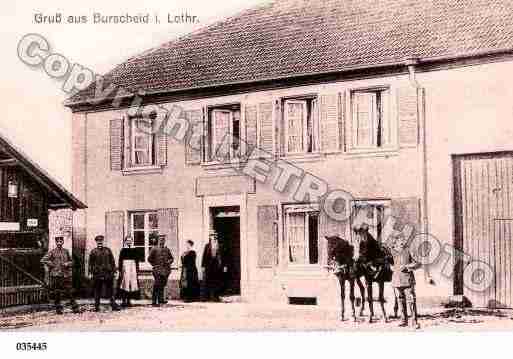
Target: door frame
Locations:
point(239, 200)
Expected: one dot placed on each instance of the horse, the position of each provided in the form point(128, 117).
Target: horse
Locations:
point(374, 263)
point(345, 269)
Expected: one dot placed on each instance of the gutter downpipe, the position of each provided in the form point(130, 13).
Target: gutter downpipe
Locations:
point(411, 64)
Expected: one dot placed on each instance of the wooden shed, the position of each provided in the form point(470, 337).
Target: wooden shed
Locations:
point(27, 195)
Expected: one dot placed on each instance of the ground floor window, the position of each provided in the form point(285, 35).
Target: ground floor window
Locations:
point(374, 213)
point(302, 235)
point(144, 227)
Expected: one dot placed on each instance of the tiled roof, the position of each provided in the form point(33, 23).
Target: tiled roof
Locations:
point(293, 37)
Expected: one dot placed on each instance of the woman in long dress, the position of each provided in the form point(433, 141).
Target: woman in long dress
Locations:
point(189, 282)
point(128, 270)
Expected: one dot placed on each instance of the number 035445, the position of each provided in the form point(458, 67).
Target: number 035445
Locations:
point(31, 346)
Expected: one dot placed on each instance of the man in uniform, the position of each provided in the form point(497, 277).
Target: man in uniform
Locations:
point(59, 264)
point(102, 268)
point(161, 259)
point(403, 280)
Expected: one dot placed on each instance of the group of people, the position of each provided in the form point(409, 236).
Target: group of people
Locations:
point(102, 269)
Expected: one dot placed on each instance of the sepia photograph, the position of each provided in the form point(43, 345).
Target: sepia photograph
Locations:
point(256, 166)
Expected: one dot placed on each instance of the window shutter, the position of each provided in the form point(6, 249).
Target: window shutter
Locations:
point(280, 127)
point(267, 236)
point(168, 225)
point(116, 144)
point(114, 229)
point(342, 120)
point(195, 137)
point(162, 148)
point(331, 227)
point(127, 156)
point(251, 126)
point(408, 115)
point(265, 124)
point(329, 123)
point(406, 211)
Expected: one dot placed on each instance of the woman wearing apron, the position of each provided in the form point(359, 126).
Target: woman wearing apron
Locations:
point(128, 270)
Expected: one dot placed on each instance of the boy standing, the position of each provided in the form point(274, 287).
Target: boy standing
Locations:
point(403, 280)
point(59, 264)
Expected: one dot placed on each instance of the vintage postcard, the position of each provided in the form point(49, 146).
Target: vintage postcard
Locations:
point(252, 165)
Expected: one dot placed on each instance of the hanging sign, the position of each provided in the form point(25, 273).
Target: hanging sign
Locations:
point(32, 222)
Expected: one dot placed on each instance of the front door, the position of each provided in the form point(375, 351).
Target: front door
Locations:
point(226, 222)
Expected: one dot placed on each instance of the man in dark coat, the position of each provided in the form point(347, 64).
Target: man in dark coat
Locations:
point(102, 268)
point(59, 264)
point(161, 259)
point(213, 268)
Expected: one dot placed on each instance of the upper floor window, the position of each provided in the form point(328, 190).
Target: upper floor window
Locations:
point(301, 126)
point(142, 140)
point(224, 132)
point(302, 235)
point(370, 123)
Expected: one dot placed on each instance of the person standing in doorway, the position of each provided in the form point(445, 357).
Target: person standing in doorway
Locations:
point(102, 268)
point(161, 259)
point(189, 282)
point(128, 283)
point(213, 268)
point(59, 264)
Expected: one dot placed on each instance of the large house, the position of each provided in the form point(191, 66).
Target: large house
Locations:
point(404, 104)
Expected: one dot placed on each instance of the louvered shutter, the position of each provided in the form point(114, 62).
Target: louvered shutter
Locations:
point(329, 122)
point(342, 121)
point(266, 128)
point(114, 229)
point(406, 211)
point(168, 226)
point(267, 228)
point(127, 142)
point(251, 127)
point(194, 140)
point(408, 109)
point(162, 148)
point(332, 227)
point(116, 133)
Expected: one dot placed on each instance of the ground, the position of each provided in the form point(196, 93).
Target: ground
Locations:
point(178, 316)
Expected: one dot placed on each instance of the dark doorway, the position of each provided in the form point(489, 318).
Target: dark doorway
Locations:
point(226, 222)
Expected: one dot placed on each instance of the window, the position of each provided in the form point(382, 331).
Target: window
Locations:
point(224, 132)
point(370, 123)
point(302, 222)
point(142, 151)
point(301, 126)
point(372, 212)
point(145, 225)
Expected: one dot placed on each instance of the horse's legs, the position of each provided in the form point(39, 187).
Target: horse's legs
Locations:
point(342, 282)
point(368, 283)
point(351, 296)
point(381, 298)
point(362, 294)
